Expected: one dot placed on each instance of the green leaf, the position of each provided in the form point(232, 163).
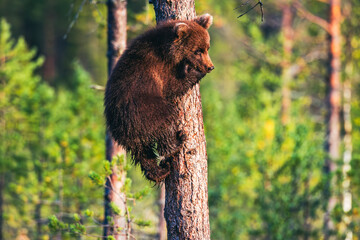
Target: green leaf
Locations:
point(96, 179)
point(76, 217)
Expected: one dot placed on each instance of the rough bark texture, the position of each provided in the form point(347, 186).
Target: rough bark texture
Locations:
point(333, 102)
point(116, 44)
point(186, 204)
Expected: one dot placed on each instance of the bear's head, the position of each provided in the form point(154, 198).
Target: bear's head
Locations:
point(192, 43)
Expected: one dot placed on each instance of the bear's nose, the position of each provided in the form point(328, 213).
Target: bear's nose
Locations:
point(210, 68)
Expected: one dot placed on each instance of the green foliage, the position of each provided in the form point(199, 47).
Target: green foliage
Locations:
point(55, 225)
point(78, 226)
point(115, 209)
point(142, 193)
point(265, 178)
point(97, 179)
point(50, 140)
point(88, 213)
point(143, 223)
point(22, 95)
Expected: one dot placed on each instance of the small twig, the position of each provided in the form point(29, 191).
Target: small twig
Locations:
point(90, 235)
point(128, 234)
point(70, 9)
point(112, 188)
point(94, 3)
point(248, 10)
point(311, 17)
point(261, 9)
point(243, 4)
point(75, 19)
point(128, 222)
point(97, 87)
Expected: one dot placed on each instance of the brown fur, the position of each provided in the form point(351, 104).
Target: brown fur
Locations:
point(159, 66)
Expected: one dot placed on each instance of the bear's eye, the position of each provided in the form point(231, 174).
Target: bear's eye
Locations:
point(197, 52)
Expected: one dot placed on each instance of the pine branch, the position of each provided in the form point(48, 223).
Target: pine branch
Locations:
point(311, 17)
point(258, 3)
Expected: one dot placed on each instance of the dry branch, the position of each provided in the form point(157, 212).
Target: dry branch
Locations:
point(311, 17)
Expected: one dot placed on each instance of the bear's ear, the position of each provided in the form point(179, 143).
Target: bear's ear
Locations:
point(204, 20)
point(181, 30)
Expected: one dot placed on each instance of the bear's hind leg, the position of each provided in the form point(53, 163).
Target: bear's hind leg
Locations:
point(171, 143)
point(153, 171)
point(149, 166)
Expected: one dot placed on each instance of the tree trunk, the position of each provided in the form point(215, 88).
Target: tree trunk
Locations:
point(347, 197)
point(286, 71)
point(38, 205)
point(186, 204)
point(333, 139)
point(162, 222)
point(116, 45)
point(49, 68)
point(347, 155)
point(2, 189)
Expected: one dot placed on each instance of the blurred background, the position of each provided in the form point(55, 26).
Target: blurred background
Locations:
point(266, 113)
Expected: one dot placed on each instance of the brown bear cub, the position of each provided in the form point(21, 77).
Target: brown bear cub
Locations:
point(157, 67)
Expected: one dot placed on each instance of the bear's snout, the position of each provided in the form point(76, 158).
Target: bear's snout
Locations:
point(210, 68)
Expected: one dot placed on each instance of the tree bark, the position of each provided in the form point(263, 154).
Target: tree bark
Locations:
point(2, 189)
point(162, 222)
point(347, 155)
point(49, 68)
point(116, 45)
point(186, 204)
point(332, 145)
point(38, 205)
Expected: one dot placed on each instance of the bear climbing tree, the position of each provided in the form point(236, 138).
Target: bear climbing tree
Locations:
point(153, 106)
point(158, 67)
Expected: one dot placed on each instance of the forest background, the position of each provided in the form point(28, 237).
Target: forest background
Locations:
point(264, 109)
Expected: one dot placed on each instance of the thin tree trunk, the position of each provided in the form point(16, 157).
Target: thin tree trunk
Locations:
point(61, 192)
point(333, 103)
point(2, 189)
point(286, 71)
point(186, 204)
point(162, 222)
point(117, 20)
point(306, 214)
point(49, 69)
point(116, 45)
point(347, 197)
point(38, 205)
point(347, 155)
